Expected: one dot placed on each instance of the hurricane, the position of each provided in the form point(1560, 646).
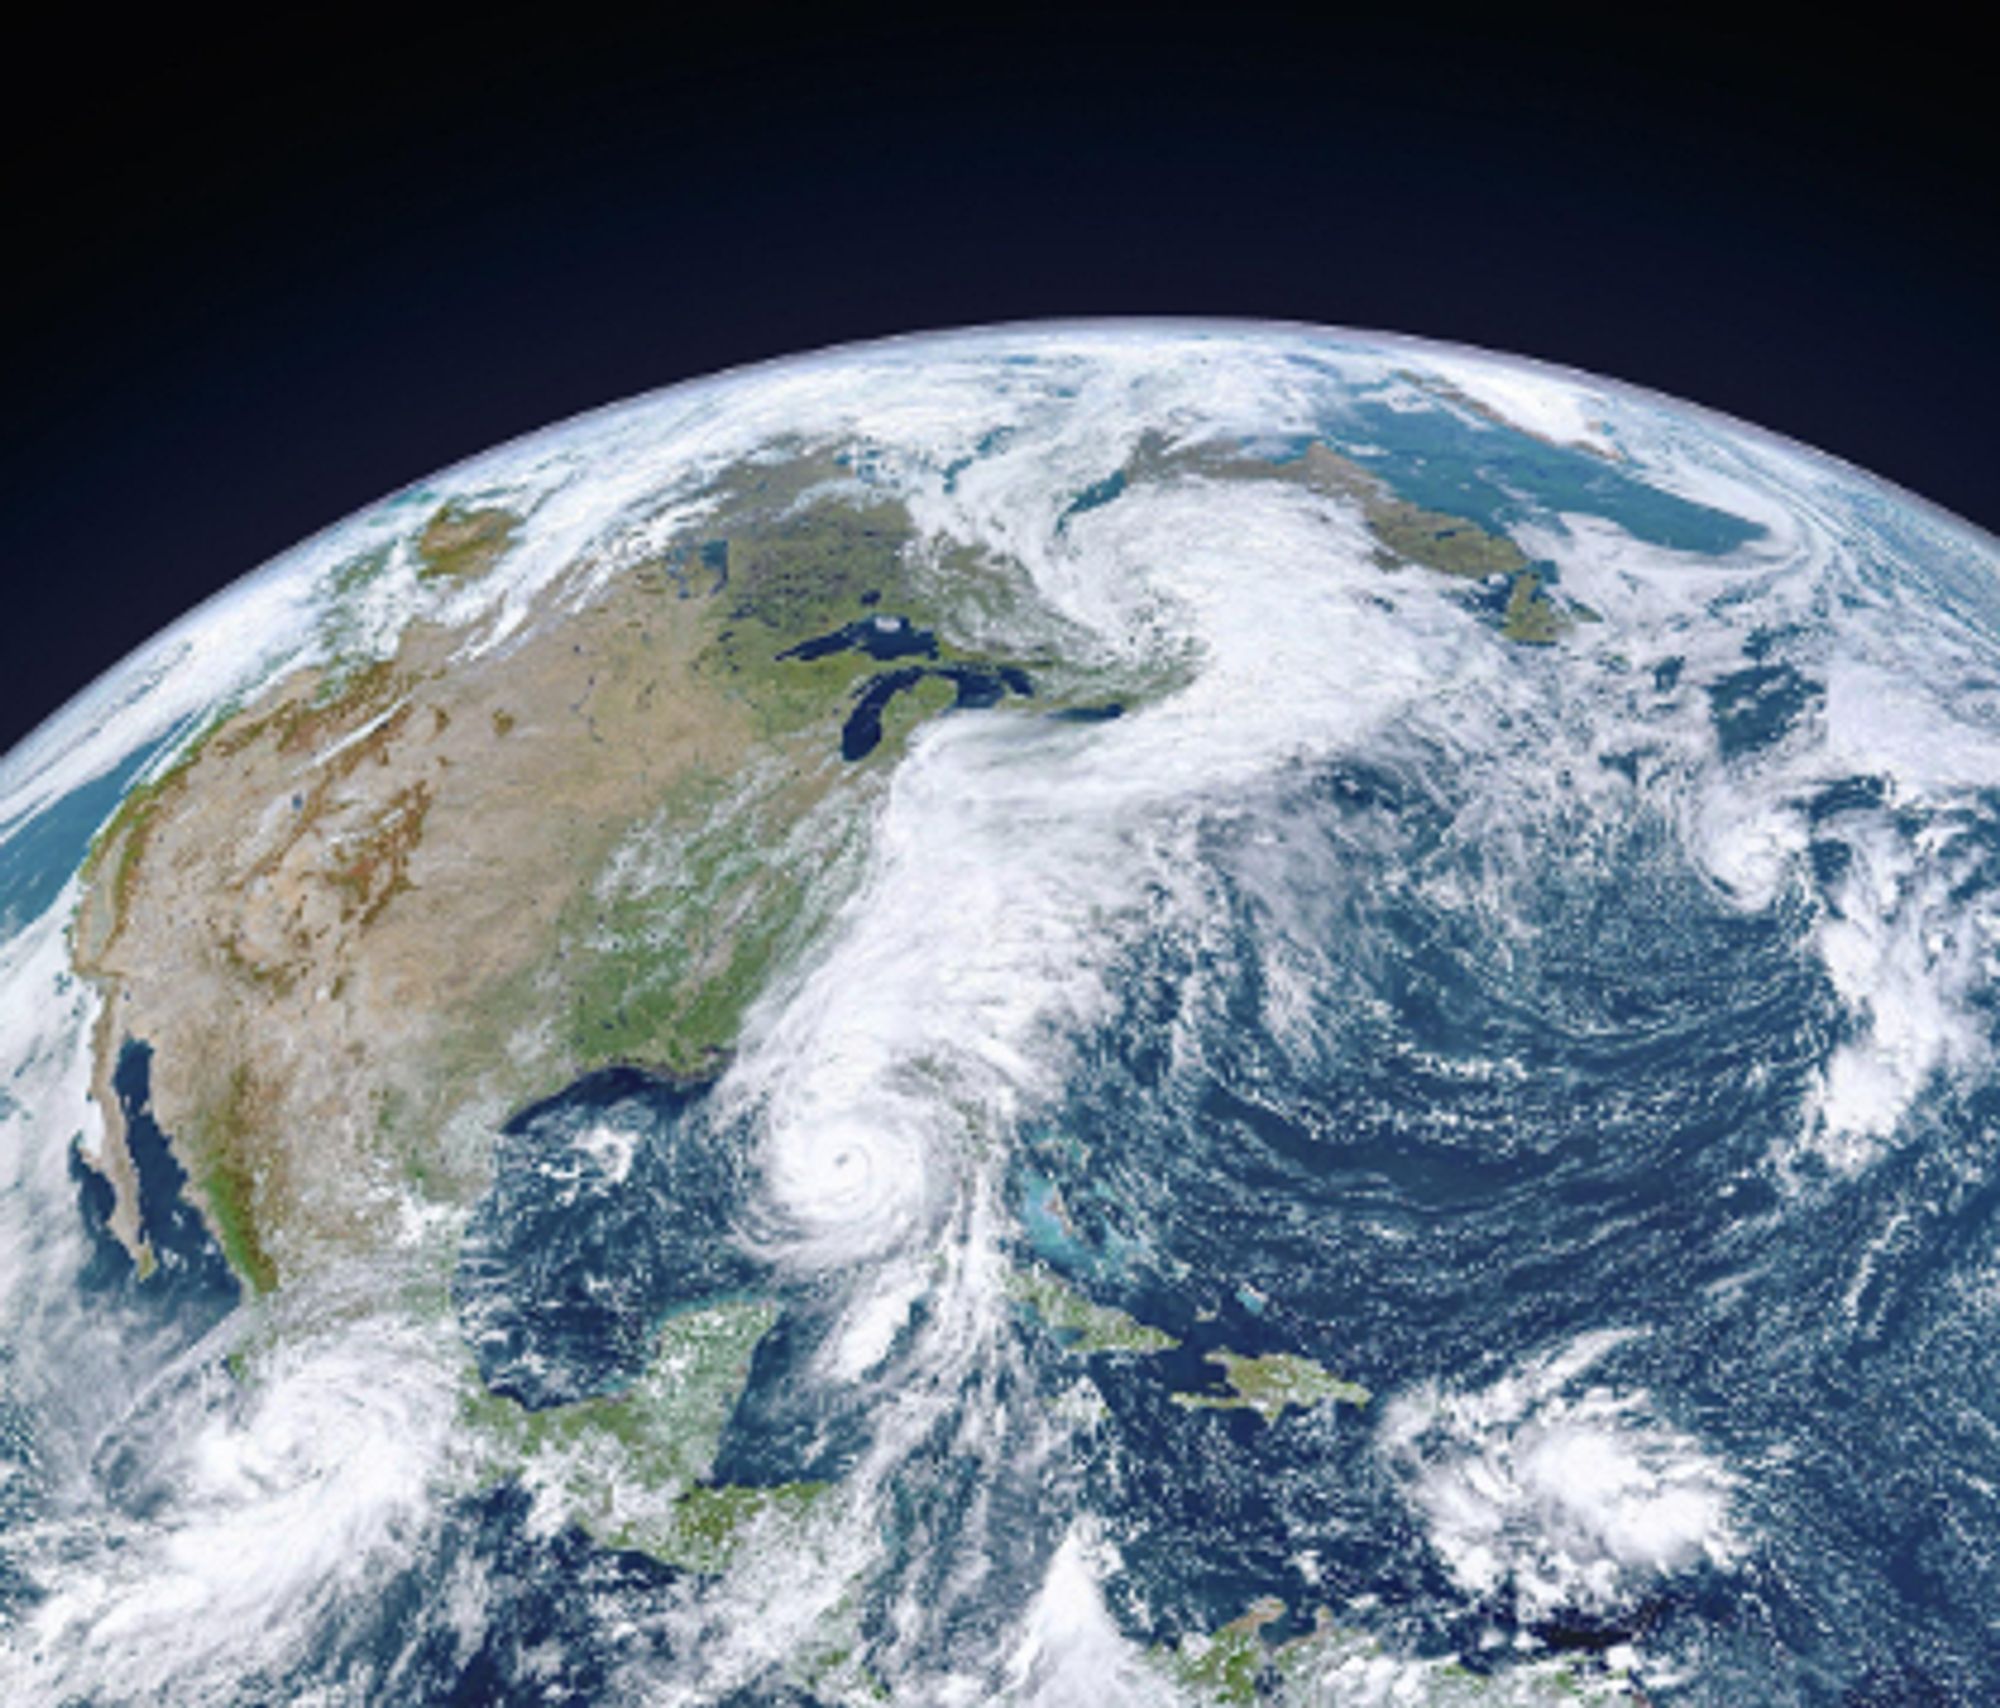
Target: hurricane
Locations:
point(1123, 1012)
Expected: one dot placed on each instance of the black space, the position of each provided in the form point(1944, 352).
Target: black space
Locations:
point(255, 279)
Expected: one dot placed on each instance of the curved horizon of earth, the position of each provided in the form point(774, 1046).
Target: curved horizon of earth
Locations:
point(1157, 1012)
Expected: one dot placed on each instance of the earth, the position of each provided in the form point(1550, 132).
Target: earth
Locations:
point(1119, 1013)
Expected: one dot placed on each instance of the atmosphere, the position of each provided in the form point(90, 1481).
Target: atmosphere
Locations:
point(265, 279)
point(1149, 1012)
point(1130, 859)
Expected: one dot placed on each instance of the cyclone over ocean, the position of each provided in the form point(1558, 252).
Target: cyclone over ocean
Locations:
point(1119, 1013)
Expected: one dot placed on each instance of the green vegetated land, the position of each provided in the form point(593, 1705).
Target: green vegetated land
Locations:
point(600, 845)
point(463, 541)
point(738, 868)
point(1082, 1327)
point(1270, 1382)
point(1243, 1662)
point(631, 1468)
point(1406, 532)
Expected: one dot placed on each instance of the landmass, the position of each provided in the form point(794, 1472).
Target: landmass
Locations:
point(1405, 533)
point(1239, 1663)
point(1226, 1665)
point(1270, 1382)
point(1446, 392)
point(360, 918)
point(631, 1468)
point(1082, 1327)
point(463, 541)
